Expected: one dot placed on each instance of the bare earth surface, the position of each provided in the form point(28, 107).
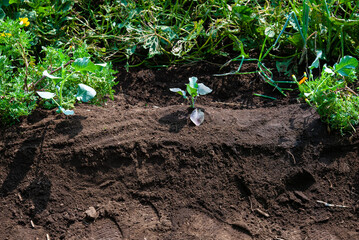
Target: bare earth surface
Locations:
point(137, 168)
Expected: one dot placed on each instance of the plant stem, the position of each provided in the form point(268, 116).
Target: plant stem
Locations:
point(57, 69)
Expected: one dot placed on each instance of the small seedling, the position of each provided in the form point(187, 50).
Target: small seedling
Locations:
point(194, 90)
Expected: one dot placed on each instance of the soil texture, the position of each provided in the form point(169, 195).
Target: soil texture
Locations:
point(138, 168)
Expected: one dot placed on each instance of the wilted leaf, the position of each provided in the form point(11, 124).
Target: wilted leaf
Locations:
point(85, 93)
point(197, 117)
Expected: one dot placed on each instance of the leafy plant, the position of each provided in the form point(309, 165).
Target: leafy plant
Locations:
point(331, 94)
point(194, 90)
point(22, 74)
point(80, 67)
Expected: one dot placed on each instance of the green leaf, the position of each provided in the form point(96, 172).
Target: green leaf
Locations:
point(66, 111)
point(315, 63)
point(4, 3)
point(2, 14)
point(47, 74)
point(192, 91)
point(46, 95)
point(85, 93)
point(346, 65)
point(193, 82)
point(203, 89)
point(179, 91)
point(84, 64)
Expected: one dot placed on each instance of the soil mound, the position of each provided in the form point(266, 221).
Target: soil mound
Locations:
point(137, 168)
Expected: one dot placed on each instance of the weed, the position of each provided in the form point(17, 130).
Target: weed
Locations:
point(331, 95)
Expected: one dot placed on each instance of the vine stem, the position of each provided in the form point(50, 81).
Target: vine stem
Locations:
point(23, 53)
point(57, 69)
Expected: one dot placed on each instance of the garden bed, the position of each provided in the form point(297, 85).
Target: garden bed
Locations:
point(137, 168)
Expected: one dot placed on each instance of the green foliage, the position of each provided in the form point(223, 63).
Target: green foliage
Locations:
point(60, 71)
point(166, 32)
point(194, 89)
point(329, 26)
point(331, 95)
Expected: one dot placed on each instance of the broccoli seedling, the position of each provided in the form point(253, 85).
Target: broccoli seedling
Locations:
point(194, 90)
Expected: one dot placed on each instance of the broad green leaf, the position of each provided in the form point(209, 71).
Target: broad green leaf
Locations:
point(46, 74)
point(4, 3)
point(315, 63)
point(197, 117)
point(179, 91)
point(192, 91)
point(84, 64)
point(46, 95)
point(193, 82)
point(66, 111)
point(85, 93)
point(346, 65)
point(2, 14)
point(203, 89)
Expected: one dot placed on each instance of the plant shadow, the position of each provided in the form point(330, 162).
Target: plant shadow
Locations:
point(71, 126)
point(23, 161)
point(176, 120)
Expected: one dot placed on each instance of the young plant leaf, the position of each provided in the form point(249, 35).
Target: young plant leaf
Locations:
point(346, 65)
point(192, 91)
point(85, 64)
point(193, 82)
point(46, 95)
point(47, 74)
point(197, 117)
point(66, 111)
point(85, 93)
point(203, 89)
point(315, 63)
point(179, 91)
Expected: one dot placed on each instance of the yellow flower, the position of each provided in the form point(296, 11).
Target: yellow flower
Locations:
point(24, 21)
point(5, 34)
point(303, 80)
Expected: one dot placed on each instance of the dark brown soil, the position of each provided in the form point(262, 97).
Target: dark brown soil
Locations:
point(137, 168)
